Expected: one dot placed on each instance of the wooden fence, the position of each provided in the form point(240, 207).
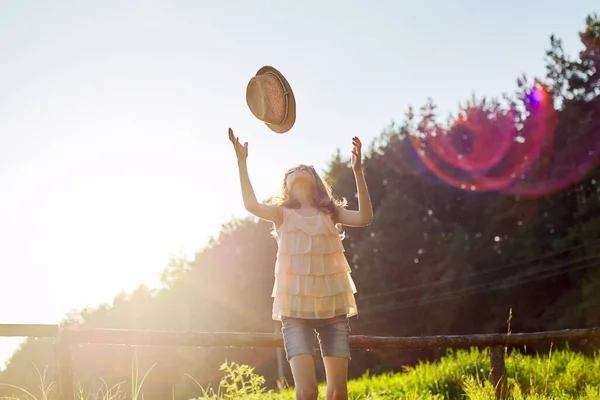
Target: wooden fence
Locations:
point(65, 338)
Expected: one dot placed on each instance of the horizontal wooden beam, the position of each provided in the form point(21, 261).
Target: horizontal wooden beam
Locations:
point(241, 339)
point(476, 340)
point(171, 338)
point(28, 330)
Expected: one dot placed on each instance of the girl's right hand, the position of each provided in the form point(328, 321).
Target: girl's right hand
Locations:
point(241, 151)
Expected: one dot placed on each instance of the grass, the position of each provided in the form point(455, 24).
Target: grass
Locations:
point(465, 374)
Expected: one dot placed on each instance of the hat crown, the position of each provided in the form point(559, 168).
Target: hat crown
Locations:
point(266, 97)
point(271, 99)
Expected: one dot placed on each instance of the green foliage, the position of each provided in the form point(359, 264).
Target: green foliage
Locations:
point(465, 374)
point(458, 375)
point(239, 382)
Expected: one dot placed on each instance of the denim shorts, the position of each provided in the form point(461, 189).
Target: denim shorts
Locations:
point(333, 335)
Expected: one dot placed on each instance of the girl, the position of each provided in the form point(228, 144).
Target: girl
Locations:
point(313, 290)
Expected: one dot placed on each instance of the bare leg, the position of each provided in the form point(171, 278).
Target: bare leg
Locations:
point(336, 369)
point(305, 377)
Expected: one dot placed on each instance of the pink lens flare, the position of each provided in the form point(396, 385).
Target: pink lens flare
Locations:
point(518, 153)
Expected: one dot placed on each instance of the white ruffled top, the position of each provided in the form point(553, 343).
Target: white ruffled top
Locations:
point(312, 275)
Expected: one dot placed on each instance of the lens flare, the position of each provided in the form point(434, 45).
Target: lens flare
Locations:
point(515, 150)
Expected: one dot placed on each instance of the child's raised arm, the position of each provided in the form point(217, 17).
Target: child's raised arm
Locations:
point(364, 215)
point(262, 211)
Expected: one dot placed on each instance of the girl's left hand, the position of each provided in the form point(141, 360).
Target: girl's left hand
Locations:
point(356, 154)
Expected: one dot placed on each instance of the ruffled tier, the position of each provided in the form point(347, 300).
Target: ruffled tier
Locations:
point(315, 225)
point(299, 242)
point(313, 285)
point(311, 264)
point(308, 307)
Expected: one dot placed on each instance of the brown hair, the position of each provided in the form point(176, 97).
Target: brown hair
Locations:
point(323, 198)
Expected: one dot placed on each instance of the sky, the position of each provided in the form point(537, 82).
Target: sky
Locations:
point(113, 117)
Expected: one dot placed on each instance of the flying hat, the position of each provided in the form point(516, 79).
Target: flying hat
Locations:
point(271, 99)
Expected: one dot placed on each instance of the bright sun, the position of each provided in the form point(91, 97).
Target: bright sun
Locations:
point(98, 207)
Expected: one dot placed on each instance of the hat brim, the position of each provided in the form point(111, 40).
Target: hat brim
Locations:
point(291, 115)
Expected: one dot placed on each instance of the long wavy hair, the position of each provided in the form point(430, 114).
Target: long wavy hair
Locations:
point(322, 197)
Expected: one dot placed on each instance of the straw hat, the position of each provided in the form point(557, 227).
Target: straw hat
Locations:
point(271, 99)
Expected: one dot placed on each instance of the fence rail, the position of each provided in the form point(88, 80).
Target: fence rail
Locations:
point(243, 339)
point(28, 330)
point(65, 338)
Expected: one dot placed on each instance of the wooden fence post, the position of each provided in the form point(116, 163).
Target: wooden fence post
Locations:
point(64, 364)
point(498, 371)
